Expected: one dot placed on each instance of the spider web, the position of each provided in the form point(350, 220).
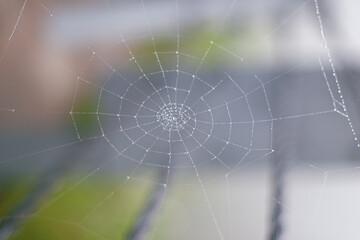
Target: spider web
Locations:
point(197, 115)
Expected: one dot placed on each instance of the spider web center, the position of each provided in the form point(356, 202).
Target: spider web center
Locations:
point(174, 117)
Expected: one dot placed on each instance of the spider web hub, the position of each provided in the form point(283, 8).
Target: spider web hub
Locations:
point(174, 117)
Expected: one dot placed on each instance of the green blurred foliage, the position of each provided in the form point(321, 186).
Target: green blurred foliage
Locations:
point(86, 123)
point(13, 190)
point(91, 210)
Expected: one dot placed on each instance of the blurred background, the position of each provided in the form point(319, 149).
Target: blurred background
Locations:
point(179, 119)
